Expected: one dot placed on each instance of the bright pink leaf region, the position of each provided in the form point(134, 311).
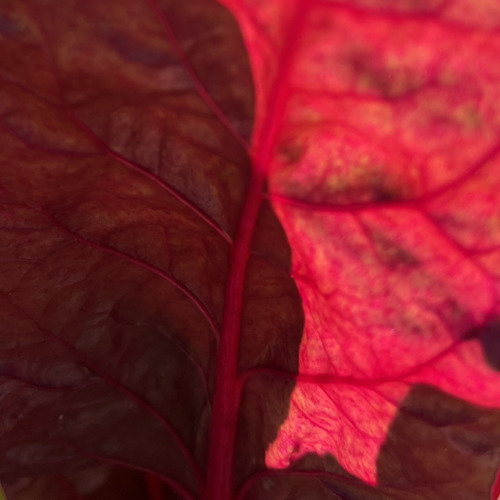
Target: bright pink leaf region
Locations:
point(384, 174)
point(164, 335)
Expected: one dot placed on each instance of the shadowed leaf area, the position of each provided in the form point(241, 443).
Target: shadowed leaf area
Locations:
point(489, 337)
point(125, 167)
point(434, 436)
point(249, 249)
point(97, 483)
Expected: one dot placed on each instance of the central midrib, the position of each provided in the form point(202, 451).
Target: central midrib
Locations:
point(227, 388)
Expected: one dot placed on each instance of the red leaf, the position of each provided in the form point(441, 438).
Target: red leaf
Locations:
point(124, 175)
point(148, 315)
point(383, 171)
point(96, 483)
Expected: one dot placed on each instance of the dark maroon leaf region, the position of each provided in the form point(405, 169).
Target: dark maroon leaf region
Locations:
point(436, 436)
point(124, 171)
point(433, 436)
point(489, 336)
point(101, 482)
